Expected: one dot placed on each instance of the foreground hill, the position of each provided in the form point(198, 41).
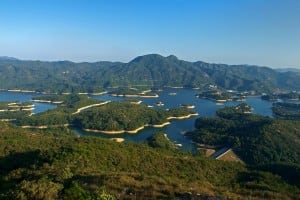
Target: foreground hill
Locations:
point(54, 164)
point(149, 70)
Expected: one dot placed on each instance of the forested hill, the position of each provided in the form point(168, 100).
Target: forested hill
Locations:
point(54, 164)
point(148, 70)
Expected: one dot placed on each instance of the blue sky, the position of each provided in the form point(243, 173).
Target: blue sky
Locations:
point(261, 32)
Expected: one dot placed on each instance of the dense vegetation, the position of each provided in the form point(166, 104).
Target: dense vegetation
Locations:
point(6, 106)
point(53, 164)
point(113, 116)
point(215, 95)
point(149, 70)
point(246, 77)
point(161, 140)
point(256, 139)
point(12, 116)
point(290, 96)
point(269, 97)
point(60, 115)
point(51, 98)
point(125, 91)
point(14, 110)
point(283, 96)
point(286, 110)
point(127, 116)
point(70, 101)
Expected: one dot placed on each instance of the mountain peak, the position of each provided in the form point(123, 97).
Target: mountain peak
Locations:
point(146, 57)
point(172, 57)
point(153, 57)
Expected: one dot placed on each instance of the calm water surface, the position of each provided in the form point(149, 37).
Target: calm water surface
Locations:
point(26, 97)
point(177, 127)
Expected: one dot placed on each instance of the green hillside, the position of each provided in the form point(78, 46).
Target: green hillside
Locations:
point(149, 70)
point(124, 116)
point(53, 164)
point(63, 114)
point(256, 139)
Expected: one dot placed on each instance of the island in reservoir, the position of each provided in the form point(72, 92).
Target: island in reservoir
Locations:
point(106, 117)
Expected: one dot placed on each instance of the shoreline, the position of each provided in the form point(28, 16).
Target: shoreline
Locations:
point(175, 87)
point(183, 117)
point(19, 90)
point(112, 132)
point(50, 93)
point(90, 106)
point(98, 93)
point(7, 120)
point(127, 131)
point(120, 140)
point(142, 127)
point(46, 126)
point(134, 95)
point(46, 101)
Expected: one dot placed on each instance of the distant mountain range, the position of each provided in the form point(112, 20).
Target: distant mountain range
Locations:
point(151, 70)
point(7, 58)
point(288, 70)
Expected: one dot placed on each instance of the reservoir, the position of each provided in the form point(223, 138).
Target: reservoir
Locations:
point(171, 98)
point(26, 97)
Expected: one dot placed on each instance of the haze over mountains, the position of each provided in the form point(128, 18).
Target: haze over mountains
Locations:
point(288, 70)
point(7, 58)
point(149, 70)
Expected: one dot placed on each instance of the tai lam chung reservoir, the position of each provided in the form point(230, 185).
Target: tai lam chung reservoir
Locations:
point(138, 100)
